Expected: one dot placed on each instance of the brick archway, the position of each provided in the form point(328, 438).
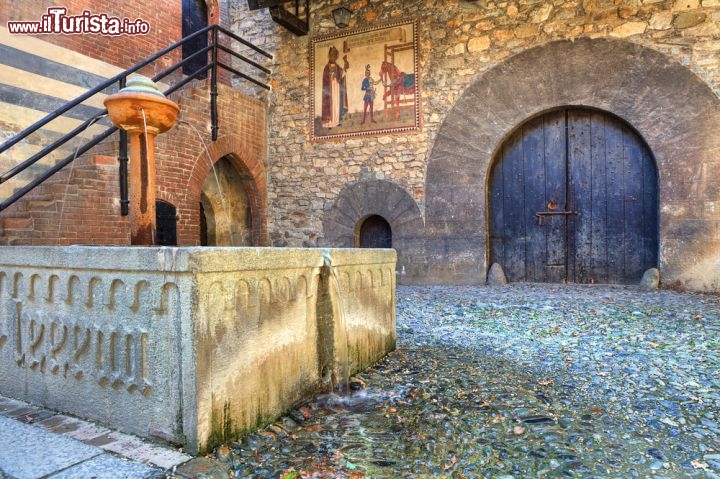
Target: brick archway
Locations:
point(672, 109)
point(252, 172)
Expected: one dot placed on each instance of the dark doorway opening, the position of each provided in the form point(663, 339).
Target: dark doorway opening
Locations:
point(166, 219)
point(203, 226)
point(573, 197)
point(374, 232)
point(195, 18)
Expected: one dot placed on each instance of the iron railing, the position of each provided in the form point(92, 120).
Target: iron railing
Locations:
point(212, 31)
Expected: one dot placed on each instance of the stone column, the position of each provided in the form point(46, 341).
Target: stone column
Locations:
point(144, 112)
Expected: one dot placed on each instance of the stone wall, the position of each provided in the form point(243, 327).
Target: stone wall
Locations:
point(460, 43)
point(189, 345)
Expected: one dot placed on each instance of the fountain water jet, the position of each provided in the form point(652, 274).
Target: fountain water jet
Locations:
point(226, 211)
point(343, 347)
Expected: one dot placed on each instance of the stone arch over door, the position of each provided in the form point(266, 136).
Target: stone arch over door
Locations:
point(672, 110)
point(225, 204)
point(359, 201)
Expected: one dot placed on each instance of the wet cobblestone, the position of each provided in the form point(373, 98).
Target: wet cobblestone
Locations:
point(521, 381)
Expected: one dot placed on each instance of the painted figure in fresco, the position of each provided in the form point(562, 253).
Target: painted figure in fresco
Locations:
point(397, 85)
point(368, 86)
point(334, 93)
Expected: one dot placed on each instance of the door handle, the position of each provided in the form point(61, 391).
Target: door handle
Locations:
point(553, 213)
point(540, 215)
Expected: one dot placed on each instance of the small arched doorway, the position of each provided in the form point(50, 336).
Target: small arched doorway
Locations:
point(225, 207)
point(573, 197)
point(373, 232)
point(166, 224)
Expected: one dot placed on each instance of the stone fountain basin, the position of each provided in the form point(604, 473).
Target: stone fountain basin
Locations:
point(193, 346)
point(126, 111)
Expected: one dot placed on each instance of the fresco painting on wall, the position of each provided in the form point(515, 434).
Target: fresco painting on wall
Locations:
point(365, 82)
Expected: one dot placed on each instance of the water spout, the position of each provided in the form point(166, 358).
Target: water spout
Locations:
point(342, 352)
point(144, 112)
point(226, 212)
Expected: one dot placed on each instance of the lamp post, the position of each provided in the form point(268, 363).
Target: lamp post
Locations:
point(144, 112)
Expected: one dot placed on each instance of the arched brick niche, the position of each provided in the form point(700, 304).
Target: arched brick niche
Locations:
point(671, 109)
point(254, 182)
point(359, 201)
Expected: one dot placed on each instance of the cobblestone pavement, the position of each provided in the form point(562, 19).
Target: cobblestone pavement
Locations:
point(520, 381)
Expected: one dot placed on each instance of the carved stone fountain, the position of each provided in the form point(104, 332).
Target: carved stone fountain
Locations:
point(191, 345)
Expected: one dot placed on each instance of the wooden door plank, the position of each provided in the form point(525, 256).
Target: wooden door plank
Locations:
point(579, 196)
point(633, 208)
point(496, 211)
point(514, 209)
point(598, 217)
point(555, 191)
point(533, 150)
point(616, 205)
point(650, 211)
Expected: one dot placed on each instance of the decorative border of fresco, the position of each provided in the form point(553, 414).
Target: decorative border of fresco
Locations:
point(341, 89)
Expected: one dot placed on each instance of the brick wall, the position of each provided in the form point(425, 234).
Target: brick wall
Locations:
point(85, 209)
point(182, 156)
point(81, 203)
point(165, 19)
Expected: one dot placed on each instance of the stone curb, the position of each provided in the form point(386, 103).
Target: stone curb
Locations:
point(67, 447)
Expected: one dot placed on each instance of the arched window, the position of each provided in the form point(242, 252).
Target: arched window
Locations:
point(374, 232)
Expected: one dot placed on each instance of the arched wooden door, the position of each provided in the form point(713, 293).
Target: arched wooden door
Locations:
point(374, 232)
point(573, 197)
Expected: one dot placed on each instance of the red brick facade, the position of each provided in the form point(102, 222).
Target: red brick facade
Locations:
point(123, 51)
point(86, 209)
point(182, 158)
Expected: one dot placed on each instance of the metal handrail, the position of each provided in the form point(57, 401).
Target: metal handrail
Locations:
point(120, 78)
